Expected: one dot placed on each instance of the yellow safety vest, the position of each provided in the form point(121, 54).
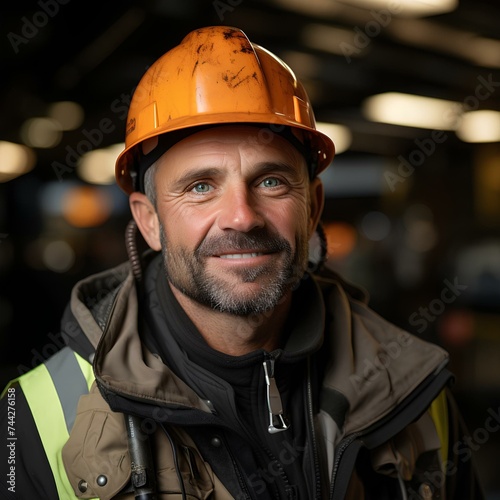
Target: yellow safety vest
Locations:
point(52, 391)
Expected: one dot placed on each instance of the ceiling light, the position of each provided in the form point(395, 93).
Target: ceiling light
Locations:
point(304, 65)
point(311, 7)
point(329, 39)
point(480, 126)
point(408, 7)
point(339, 134)
point(98, 166)
point(41, 132)
point(412, 111)
point(69, 114)
point(438, 37)
point(15, 160)
point(485, 52)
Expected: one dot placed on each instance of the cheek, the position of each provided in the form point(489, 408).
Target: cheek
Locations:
point(303, 218)
point(184, 226)
point(290, 220)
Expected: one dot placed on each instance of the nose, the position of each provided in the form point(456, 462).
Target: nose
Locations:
point(238, 211)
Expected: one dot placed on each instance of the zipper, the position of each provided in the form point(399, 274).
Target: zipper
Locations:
point(239, 475)
point(341, 448)
point(288, 488)
point(314, 444)
point(278, 422)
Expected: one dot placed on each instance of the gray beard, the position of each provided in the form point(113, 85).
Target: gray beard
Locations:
point(186, 272)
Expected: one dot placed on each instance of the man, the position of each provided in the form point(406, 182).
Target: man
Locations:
point(221, 363)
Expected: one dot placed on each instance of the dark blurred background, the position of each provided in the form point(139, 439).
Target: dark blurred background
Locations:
point(410, 95)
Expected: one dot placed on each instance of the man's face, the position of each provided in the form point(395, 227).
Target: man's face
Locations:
point(234, 208)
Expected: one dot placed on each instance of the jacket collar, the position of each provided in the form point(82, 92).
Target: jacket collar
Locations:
point(372, 364)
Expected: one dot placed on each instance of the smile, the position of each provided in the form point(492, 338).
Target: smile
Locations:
point(241, 255)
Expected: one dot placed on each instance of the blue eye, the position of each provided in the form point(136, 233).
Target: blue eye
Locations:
point(201, 187)
point(271, 182)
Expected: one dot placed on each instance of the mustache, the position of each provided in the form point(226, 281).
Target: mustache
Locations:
point(261, 240)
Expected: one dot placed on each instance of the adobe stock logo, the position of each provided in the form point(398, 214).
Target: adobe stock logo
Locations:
point(462, 451)
point(427, 146)
point(31, 27)
point(223, 6)
point(363, 37)
point(436, 307)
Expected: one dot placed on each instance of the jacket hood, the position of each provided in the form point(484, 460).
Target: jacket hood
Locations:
point(88, 311)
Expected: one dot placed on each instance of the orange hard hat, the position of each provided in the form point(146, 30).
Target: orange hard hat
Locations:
point(216, 76)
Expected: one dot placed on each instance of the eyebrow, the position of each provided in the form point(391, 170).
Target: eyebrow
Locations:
point(195, 175)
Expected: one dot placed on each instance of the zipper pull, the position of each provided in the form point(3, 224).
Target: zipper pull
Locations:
point(277, 421)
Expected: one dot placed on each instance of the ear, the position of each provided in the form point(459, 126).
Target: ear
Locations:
point(316, 200)
point(146, 218)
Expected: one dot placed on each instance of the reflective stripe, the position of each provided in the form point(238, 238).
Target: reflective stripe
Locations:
point(87, 370)
point(69, 383)
point(439, 413)
point(51, 389)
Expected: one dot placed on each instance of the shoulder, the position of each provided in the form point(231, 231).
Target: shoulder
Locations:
point(373, 363)
point(38, 411)
point(24, 461)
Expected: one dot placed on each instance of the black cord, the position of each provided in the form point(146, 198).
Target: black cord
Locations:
point(131, 246)
point(176, 463)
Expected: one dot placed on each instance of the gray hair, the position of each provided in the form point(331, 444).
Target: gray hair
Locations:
point(149, 183)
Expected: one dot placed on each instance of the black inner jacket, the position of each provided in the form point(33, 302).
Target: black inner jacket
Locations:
point(236, 387)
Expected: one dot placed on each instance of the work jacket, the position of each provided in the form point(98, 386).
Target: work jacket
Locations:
point(378, 415)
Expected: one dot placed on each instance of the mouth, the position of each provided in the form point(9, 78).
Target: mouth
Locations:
point(247, 255)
